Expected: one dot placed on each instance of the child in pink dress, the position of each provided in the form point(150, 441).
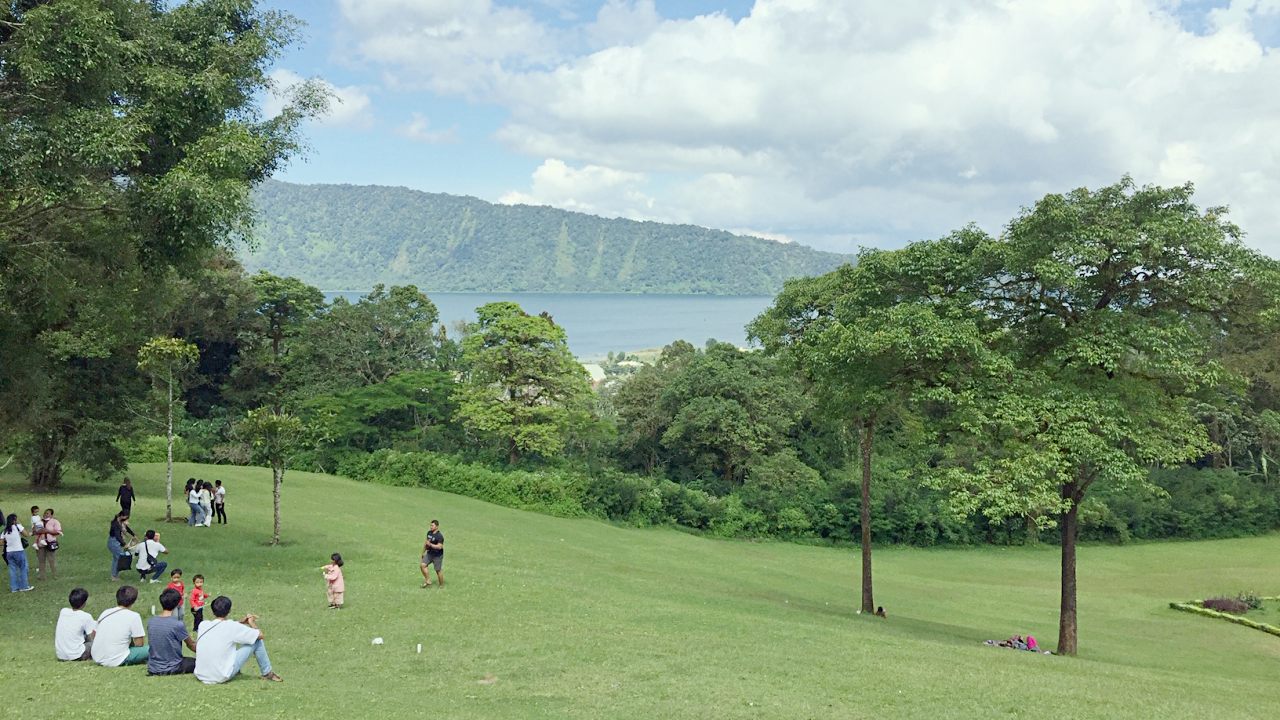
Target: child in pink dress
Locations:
point(336, 586)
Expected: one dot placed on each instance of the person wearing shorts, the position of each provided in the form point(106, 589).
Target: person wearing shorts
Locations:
point(433, 555)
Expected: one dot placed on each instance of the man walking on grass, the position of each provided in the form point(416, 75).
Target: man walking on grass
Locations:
point(433, 554)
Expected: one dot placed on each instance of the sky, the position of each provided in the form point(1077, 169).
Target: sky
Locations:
point(838, 124)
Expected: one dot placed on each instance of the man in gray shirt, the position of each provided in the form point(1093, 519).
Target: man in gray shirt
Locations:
point(168, 634)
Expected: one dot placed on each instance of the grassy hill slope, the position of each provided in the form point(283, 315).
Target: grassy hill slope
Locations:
point(347, 237)
point(545, 617)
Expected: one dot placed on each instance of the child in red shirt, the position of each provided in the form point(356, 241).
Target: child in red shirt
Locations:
point(175, 582)
point(198, 598)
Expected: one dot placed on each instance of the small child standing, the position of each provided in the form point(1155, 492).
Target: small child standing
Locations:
point(336, 586)
point(198, 598)
point(175, 582)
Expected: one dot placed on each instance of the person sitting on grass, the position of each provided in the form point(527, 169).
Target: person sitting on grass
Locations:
point(223, 646)
point(120, 639)
point(73, 635)
point(168, 634)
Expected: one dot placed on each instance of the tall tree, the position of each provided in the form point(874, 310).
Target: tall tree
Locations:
point(167, 361)
point(1107, 302)
point(282, 310)
point(522, 386)
point(274, 439)
point(873, 336)
point(727, 407)
point(367, 342)
point(130, 139)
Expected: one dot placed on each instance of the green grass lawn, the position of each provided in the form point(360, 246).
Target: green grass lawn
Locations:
point(545, 617)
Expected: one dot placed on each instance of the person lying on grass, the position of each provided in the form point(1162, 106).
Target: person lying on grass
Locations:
point(1017, 642)
point(223, 646)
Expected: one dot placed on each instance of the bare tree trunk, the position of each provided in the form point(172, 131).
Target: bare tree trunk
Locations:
point(865, 434)
point(1069, 527)
point(277, 477)
point(168, 472)
point(46, 466)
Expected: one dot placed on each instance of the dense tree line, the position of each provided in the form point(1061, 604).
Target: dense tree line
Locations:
point(342, 237)
point(130, 140)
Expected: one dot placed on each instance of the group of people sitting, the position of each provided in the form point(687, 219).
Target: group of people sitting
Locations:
point(116, 638)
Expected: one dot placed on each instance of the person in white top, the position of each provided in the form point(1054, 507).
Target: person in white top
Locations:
point(205, 498)
point(149, 552)
point(73, 636)
point(223, 646)
point(120, 639)
point(220, 502)
point(15, 554)
point(193, 501)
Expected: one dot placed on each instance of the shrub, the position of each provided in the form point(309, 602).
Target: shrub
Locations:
point(552, 492)
point(1251, 599)
point(1226, 605)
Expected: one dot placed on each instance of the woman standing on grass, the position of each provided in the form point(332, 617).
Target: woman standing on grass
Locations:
point(115, 541)
point(15, 554)
point(205, 499)
point(47, 546)
point(193, 501)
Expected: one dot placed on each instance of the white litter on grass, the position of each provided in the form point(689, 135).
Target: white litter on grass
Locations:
point(419, 648)
point(377, 641)
point(153, 609)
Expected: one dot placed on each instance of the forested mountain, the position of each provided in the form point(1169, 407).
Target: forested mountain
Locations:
point(345, 237)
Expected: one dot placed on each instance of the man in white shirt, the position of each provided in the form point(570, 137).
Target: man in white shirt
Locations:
point(149, 551)
point(73, 636)
point(223, 646)
point(120, 639)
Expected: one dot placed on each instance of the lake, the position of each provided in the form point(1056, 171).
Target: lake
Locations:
point(598, 323)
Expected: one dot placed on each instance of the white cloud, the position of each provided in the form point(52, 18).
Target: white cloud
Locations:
point(419, 129)
point(590, 189)
point(349, 105)
point(457, 46)
point(623, 22)
point(843, 123)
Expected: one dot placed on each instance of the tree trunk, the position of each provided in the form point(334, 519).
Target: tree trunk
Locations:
point(277, 477)
point(865, 434)
point(1069, 527)
point(46, 466)
point(168, 471)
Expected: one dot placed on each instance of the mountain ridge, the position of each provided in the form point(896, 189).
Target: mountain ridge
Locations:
point(351, 237)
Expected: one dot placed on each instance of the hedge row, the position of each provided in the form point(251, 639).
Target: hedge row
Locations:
point(552, 493)
point(1194, 606)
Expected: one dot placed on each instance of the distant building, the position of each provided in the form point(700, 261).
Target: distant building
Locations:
point(596, 372)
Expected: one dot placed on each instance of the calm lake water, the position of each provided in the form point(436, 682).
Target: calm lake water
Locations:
point(597, 323)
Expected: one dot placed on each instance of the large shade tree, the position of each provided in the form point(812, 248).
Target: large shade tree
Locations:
point(1108, 303)
point(872, 339)
point(130, 139)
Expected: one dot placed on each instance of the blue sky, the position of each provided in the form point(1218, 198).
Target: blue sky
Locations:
point(835, 124)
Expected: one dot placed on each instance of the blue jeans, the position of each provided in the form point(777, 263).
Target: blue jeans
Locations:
point(258, 650)
point(17, 570)
point(117, 551)
point(156, 568)
point(195, 513)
